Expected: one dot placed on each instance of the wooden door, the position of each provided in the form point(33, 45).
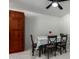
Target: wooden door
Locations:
point(16, 41)
point(16, 20)
point(16, 31)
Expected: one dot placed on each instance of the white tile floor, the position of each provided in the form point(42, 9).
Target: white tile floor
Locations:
point(27, 55)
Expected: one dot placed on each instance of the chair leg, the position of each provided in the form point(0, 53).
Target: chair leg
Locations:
point(65, 50)
point(55, 52)
point(39, 52)
point(42, 50)
point(48, 53)
point(32, 52)
point(60, 51)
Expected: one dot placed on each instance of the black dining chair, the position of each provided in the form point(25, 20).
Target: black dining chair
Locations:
point(61, 46)
point(52, 40)
point(33, 45)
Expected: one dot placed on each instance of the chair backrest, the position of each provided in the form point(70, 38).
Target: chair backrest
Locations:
point(32, 39)
point(64, 38)
point(61, 34)
point(52, 39)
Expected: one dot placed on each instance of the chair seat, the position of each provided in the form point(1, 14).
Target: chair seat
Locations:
point(61, 44)
point(50, 45)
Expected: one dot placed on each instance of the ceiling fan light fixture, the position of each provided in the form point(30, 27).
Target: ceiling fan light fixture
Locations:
point(55, 4)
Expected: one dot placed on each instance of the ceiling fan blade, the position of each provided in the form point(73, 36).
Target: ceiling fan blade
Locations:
point(60, 7)
point(59, 0)
point(49, 5)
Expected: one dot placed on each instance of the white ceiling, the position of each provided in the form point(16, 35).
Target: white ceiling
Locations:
point(39, 7)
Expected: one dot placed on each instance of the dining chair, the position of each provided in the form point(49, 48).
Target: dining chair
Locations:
point(33, 45)
point(52, 40)
point(62, 44)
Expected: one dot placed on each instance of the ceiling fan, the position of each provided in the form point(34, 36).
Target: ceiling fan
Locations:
point(55, 3)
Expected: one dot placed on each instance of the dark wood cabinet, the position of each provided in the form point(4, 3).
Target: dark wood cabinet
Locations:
point(16, 31)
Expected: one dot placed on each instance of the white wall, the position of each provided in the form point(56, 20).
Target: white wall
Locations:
point(39, 24)
point(65, 24)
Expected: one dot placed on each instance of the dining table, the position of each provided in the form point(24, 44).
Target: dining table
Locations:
point(42, 40)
